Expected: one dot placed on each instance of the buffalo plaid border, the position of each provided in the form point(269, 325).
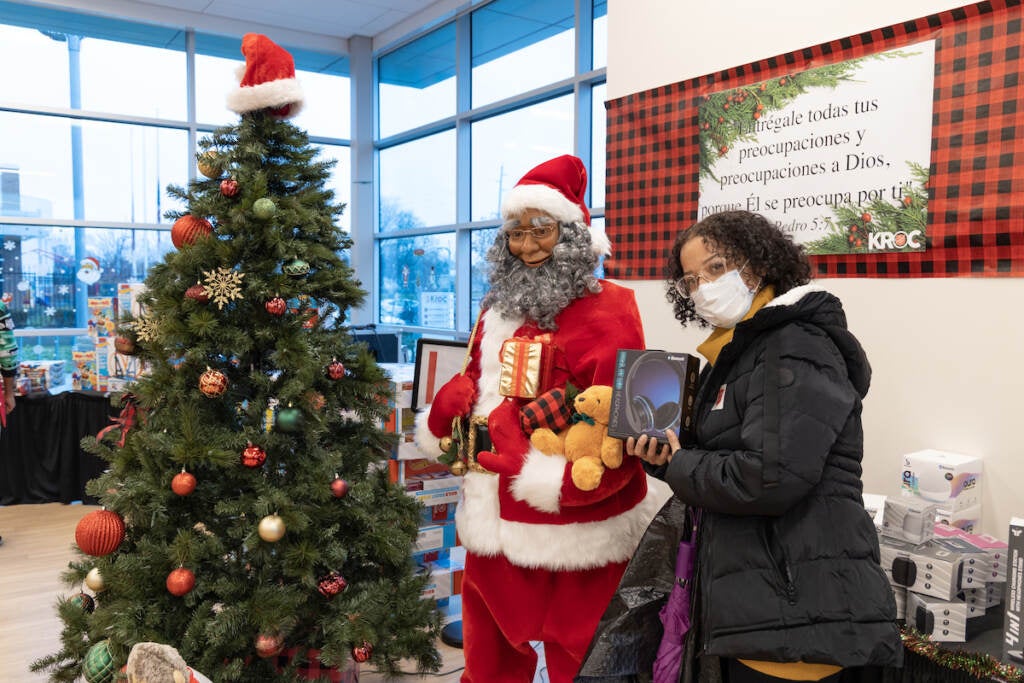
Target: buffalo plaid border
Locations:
point(976, 204)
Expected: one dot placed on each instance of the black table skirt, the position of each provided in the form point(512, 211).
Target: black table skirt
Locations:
point(40, 457)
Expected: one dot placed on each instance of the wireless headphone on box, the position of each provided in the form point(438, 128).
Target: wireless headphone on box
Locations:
point(654, 387)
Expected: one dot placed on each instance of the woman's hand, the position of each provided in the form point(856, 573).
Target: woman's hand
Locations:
point(648, 450)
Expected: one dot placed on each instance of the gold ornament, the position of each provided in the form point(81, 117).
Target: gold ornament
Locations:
point(206, 165)
point(458, 468)
point(271, 528)
point(94, 580)
point(446, 443)
point(223, 285)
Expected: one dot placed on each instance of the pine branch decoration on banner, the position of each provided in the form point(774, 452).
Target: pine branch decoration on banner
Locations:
point(850, 232)
point(732, 116)
point(223, 285)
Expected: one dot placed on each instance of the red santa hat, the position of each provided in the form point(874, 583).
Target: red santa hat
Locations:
point(557, 187)
point(267, 79)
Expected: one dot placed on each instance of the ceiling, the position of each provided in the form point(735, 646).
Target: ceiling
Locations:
point(339, 18)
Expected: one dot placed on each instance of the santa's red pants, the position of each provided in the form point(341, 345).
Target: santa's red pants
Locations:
point(505, 606)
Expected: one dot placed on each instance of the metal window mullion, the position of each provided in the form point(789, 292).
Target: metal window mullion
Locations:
point(463, 172)
point(365, 175)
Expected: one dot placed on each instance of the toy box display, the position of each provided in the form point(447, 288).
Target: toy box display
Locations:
point(653, 391)
point(102, 316)
point(83, 374)
point(115, 371)
point(1013, 651)
point(128, 294)
point(36, 376)
point(950, 480)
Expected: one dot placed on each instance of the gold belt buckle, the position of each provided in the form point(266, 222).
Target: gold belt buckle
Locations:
point(468, 446)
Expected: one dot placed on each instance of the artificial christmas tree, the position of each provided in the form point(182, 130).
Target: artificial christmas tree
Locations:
point(256, 553)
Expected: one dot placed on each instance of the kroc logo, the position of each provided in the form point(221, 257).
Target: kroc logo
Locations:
point(894, 240)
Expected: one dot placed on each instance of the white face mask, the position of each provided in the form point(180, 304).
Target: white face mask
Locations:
point(724, 302)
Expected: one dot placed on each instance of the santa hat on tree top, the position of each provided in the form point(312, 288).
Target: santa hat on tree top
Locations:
point(267, 79)
point(557, 187)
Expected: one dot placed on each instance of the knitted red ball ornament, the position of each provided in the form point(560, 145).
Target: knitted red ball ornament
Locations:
point(253, 456)
point(335, 370)
point(197, 293)
point(276, 306)
point(189, 228)
point(180, 581)
point(99, 533)
point(362, 653)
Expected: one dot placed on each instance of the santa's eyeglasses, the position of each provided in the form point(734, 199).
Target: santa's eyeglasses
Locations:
point(542, 228)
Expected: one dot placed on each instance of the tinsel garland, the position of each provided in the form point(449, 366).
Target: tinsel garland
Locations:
point(979, 665)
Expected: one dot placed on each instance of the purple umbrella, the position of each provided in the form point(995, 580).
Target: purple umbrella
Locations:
point(675, 614)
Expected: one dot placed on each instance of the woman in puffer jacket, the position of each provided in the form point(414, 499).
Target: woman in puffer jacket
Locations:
point(788, 583)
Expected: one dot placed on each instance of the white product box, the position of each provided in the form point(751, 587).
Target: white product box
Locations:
point(908, 519)
point(951, 480)
point(975, 560)
point(994, 548)
point(968, 519)
point(900, 594)
point(874, 503)
point(943, 620)
point(928, 568)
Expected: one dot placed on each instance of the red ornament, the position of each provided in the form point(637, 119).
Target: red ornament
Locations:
point(276, 306)
point(197, 293)
point(213, 383)
point(335, 370)
point(723, 149)
point(269, 644)
point(757, 114)
point(362, 653)
point(229, 187)
point(331, 585)
point(189, 228)
point(339, 487)
point(782, 81)
point(253, 456)
point(866, 218)
point(180, 581)
point(907, 200)
point(99, 533)
point(725, 106)
point(183, 483)
point(316, 400)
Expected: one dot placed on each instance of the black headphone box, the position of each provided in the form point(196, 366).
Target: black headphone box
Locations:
point(653, 391)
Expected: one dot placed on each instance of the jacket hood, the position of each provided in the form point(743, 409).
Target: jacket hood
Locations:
point(814, 305)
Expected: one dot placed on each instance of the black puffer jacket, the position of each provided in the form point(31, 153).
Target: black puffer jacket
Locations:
point(788, 567)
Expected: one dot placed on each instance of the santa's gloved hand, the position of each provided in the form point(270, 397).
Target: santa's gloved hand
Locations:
point(455, 399)
point(506, 430)
point(500, 464)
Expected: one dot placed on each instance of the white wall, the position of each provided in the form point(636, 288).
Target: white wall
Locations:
point(946, 352)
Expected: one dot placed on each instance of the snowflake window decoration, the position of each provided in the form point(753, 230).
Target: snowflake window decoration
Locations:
point(222, 285)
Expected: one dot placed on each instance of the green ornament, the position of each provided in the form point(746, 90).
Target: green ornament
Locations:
point(98, 666)
point(264, 208)
point(289, 419)
point(296, 268)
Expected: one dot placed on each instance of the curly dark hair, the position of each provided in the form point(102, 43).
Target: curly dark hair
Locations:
point(740, 236)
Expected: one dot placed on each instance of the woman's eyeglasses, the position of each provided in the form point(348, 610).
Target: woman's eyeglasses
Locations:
point(714, 268)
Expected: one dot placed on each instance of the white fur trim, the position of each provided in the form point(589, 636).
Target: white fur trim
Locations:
point(794, 295)
point(539, 482)
point(543, 198)
point(270, 94)
point(494, 330)
point(561, 547)
point(599, 242)
point(428, 444)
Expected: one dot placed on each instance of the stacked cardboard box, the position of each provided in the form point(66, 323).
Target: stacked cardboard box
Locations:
point(435, 487)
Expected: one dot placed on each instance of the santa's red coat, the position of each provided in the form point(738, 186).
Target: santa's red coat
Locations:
point(531, 514)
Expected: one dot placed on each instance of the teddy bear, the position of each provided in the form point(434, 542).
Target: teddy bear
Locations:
point(585, 443)
point(158, 663)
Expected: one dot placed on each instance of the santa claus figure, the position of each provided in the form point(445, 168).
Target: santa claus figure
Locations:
point(543, 557)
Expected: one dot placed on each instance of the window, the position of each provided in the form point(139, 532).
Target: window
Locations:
point(519, 46)
point(417, 183)
point(84, 171)
point(458, 125)
point(417, 82)
point(502, 153)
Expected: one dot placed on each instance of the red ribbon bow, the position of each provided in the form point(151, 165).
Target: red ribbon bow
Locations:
point(125, 421)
